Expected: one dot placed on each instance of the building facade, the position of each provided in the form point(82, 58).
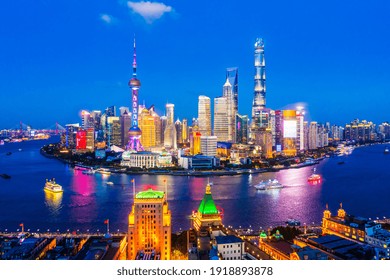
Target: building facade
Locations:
point(149, 225)
point(204, 115)
point(208, 145)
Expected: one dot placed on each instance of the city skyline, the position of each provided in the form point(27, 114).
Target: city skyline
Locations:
point(80, 58)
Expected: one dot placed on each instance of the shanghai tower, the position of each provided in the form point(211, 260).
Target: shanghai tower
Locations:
point(134, 131)
point(259, 92)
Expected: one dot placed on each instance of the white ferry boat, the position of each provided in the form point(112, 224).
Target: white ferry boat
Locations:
point(269, 185)
point(103, 171)
point(52, 186)
point(88, 171)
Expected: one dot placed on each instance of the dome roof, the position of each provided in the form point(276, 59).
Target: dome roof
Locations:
point(149, 194)
point(207, 206)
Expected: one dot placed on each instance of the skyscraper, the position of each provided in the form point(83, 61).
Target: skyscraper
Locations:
point(125, 120)
point(260, 89)
point(313, 136)
point(241, 129)
point(195, 138)
point(85, 119)
point(114, 136)
point(163, 125)
point(179, 131)
point(232, 76)
point(289, 132)
point(149, 229)
point(278, 131)
point(220, 119)
point(261, 116)
point(170, 130)
point(122, 110)
point(208, 145)
point(134, 131)
point(157, 125)
point(204, 115)
point(96, 117)
point(148, 128)
point(300, 140)
point(185, 131)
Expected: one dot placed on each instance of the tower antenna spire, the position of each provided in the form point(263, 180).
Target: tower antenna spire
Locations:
point(134, 59)
point(134, 131)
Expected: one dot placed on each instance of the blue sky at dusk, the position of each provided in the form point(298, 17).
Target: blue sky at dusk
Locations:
point(59, 57)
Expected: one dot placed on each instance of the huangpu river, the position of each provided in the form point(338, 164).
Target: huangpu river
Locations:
point(361, 184)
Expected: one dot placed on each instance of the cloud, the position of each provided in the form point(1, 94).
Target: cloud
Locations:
point(150, 11)
point(107, 18)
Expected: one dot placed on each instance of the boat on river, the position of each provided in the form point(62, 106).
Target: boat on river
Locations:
point(52, 186)
point(314, 178)
point(269, 185)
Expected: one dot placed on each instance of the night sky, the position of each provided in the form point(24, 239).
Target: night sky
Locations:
point(59, 57)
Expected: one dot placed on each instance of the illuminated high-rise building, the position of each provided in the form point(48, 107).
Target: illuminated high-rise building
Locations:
point(278, 146)
point(204, 115)
point(208, 145)
point(96, 120)
point(70, 135)
point(81, 139)
point(163, 121)
point(149, 228)
point(230, 109)
point(313, 136)
point(148, 128)
point(111, 111)
point(260, 89)
point(170, 140)
point(123, 110)
point(114, 136)
point(241, 129)
point(125, 121)
point(220, 119)
point(232, 76)
point(157, 125)
point(179, 131)
point(195, 138)
point(134, 131)
point(90, 139)
point(225, 114)
point(184, 131)
point(289, 132)
point(85, 119)
point(300, 140)
point(260, 116)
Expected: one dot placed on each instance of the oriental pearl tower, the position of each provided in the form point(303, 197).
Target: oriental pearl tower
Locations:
point(134, 131)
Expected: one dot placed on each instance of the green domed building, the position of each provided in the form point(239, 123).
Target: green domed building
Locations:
point(207, 215)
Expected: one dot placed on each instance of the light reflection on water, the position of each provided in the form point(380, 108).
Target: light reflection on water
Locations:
point(87, 199)
point(54, 202)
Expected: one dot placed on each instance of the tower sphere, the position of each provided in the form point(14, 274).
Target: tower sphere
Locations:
point(134, 82)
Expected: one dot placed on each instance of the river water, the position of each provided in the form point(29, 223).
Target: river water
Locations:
point(362, 184)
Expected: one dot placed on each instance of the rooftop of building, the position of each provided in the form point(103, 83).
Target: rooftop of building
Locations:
point(308, 253)
point(227, 239)
point(207, 205)
point(149, 194)
point(350, 220)
point(282, 246)
point(100, 248)
point(344, 248)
